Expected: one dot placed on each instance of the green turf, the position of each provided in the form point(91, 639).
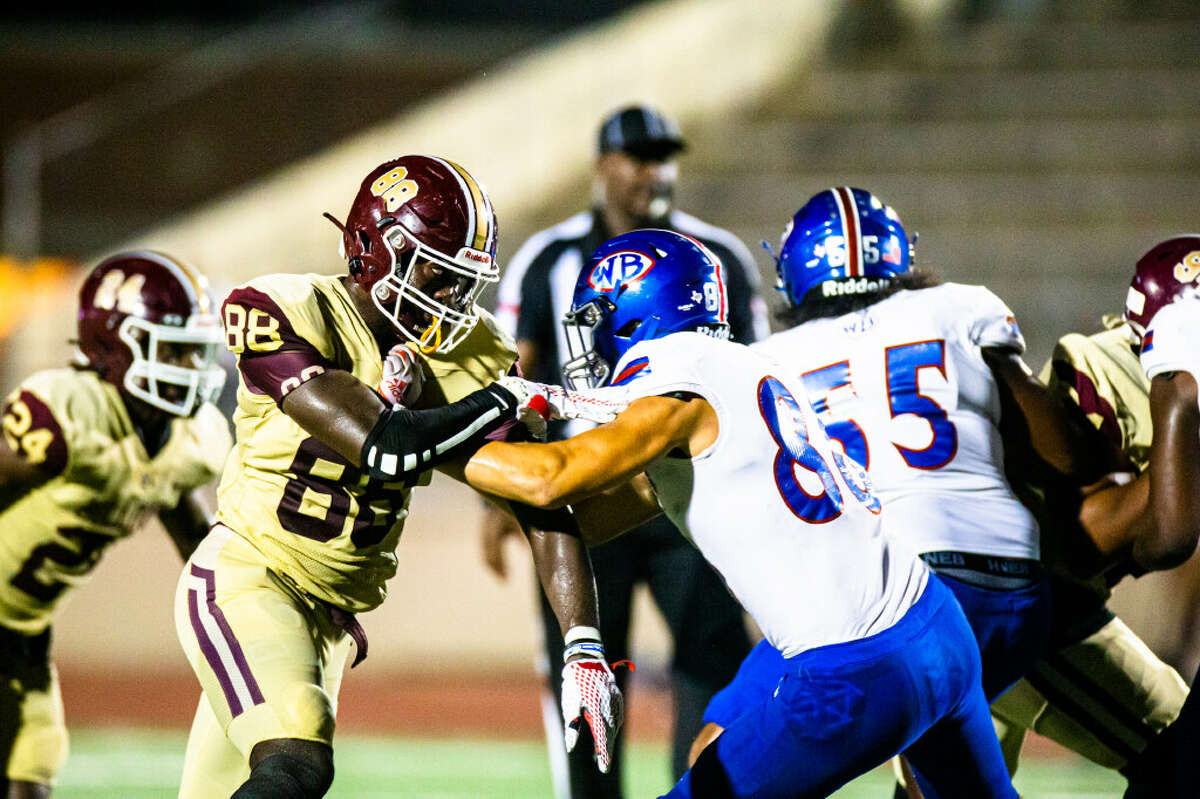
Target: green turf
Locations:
point(140, 764)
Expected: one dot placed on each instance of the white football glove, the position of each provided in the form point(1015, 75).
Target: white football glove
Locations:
point(402, 377)
point(590, 694)
point(596, 405)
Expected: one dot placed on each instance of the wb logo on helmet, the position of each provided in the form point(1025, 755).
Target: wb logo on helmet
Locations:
point(618, 269)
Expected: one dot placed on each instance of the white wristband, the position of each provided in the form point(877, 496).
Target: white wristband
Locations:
point(579, 631)
point(581, 640)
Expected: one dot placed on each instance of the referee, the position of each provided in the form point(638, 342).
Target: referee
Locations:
point(635, 177)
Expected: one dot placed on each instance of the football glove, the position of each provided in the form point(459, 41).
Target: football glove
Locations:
point(597, 405)
point(402, 377)
point(590, 694)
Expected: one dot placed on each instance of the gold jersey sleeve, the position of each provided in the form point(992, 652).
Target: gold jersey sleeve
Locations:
point(317, 520)
point(1101, 374)
point(103, 484)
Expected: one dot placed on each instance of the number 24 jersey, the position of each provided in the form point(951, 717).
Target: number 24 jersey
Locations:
point(74, 426)
point(903, 386)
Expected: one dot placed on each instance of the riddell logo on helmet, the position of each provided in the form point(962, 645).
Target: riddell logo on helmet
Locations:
point(620, 268)
point(475, 255)
point(864, 285)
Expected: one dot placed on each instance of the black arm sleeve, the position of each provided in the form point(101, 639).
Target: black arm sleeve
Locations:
point(405, 443)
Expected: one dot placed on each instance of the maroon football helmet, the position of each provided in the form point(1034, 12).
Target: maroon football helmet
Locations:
point(409, 211)
point(1167, 271)
point(146, 325)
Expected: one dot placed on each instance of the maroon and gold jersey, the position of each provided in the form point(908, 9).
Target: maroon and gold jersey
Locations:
point(316, 519)
point(1102, 375)
point(74, 426)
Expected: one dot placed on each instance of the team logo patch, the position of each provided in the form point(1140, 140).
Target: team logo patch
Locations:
point(619, 269)
point(636, 368)
point(1148, 342)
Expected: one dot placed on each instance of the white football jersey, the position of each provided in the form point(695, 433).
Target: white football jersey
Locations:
point(789, 523)
point(903, 386)
point(1172, 340)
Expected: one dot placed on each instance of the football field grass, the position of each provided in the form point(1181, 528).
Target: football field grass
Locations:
point(141, 764)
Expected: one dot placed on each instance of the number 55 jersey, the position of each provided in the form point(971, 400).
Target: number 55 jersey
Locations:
point(903, 386)
point(74, 426)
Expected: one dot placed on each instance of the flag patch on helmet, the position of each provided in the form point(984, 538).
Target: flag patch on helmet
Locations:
point(1148, 342)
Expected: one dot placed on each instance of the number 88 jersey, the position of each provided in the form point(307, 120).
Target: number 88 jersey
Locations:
point(903, 387)
point(316, 519)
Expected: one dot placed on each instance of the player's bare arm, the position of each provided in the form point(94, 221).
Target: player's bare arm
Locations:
point(1115, 513)
point(564, 472)
point(1032, 420)
point(1174, 473)
point(187, 523)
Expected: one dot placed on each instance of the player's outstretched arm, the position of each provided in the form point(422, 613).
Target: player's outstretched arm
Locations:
point(393, 443)
point(188, 522)
point(1035, 423)
point(1174, 473)
point(565, 472)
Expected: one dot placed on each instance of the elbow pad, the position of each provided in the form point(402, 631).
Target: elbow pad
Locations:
point(405, 443)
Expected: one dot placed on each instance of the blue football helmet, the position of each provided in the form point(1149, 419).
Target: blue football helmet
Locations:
point(638, 286)
point(845, 235)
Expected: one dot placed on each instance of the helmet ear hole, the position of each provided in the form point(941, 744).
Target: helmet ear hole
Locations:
point(628, 328)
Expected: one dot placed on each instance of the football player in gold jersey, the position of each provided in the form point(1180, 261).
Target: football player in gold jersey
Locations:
point(313, 500)
point(1099, 690)
point(88, 453)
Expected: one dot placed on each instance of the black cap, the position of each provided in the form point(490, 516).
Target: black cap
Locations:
point(641, 131)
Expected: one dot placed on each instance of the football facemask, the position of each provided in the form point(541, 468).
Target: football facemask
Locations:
point(174, 369)
point(450, 323)
point(585, 367)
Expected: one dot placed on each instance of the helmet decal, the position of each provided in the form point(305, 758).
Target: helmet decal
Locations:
point(618, 269)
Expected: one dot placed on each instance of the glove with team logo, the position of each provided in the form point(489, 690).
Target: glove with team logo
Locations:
point(402, 377)
point(590, 695)
point(555, 402)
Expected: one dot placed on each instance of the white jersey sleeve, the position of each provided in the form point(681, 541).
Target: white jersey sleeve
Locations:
point(989, 321)
point(1172, 341)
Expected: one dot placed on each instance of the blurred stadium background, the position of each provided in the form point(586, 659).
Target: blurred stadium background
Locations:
point(1038, 146)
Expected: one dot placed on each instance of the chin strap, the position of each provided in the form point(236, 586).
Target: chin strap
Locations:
point(434, 331)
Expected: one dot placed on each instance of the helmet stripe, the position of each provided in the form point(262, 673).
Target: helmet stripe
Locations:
point(722, 312)
point(848, 211)
point(188, 278)
point(481, 214)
